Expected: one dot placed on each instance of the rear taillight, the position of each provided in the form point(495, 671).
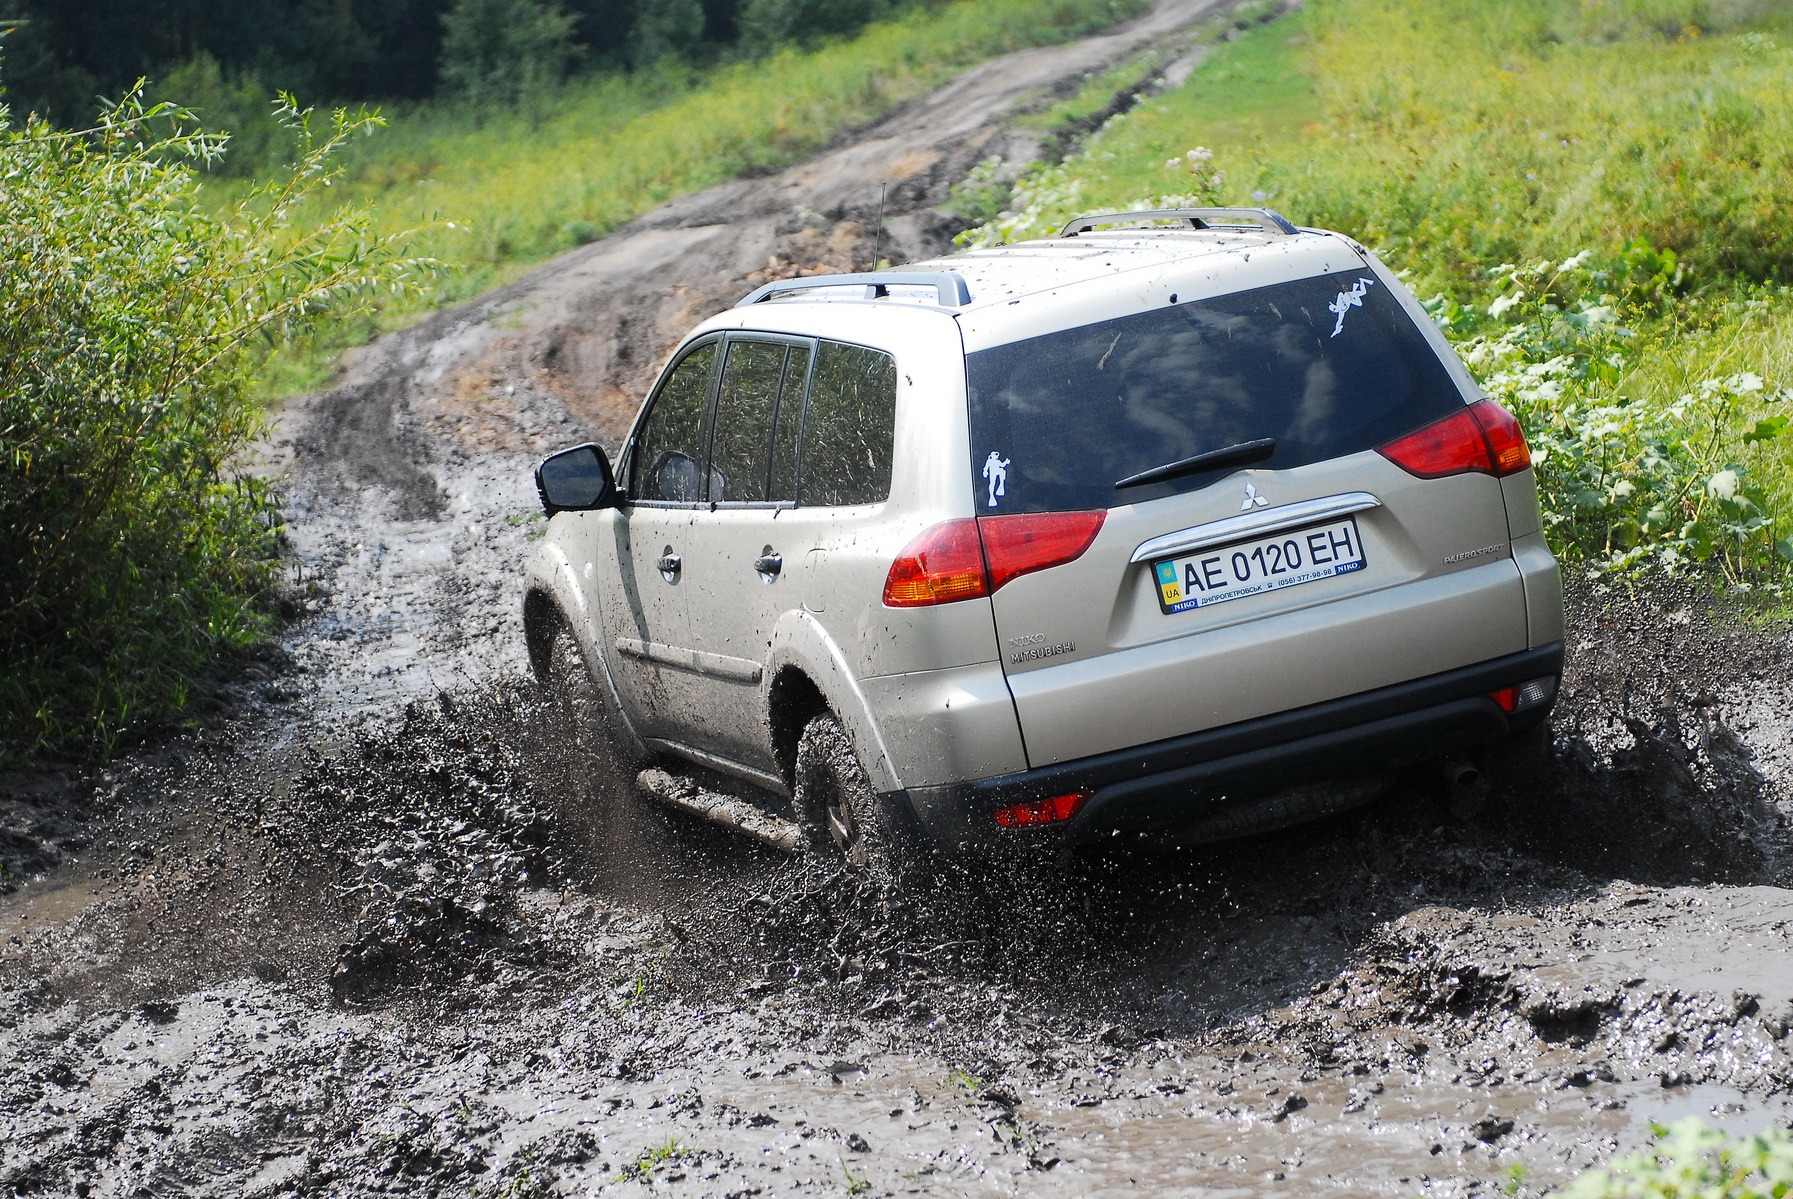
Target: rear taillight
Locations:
point(1482, 438)
point(970, 558)
point(1056, 810)
point(1030, 541)
point(943, 564)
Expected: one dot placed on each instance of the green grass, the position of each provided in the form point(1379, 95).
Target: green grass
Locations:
point(1457, 138)
point(496, 191)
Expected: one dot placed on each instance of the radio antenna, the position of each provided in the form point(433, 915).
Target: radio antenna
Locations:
point(878, 245)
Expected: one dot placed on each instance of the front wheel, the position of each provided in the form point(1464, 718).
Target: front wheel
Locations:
point(836, 803)
point(586, 704)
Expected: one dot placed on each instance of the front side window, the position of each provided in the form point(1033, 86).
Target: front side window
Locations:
point(1325, 366)
point(667, 465)
point(849, 430)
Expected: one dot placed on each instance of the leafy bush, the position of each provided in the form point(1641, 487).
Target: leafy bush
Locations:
point(1692, 1161)
point(1626, 480)
point(130, 320)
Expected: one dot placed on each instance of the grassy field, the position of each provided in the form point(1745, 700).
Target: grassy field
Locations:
point(1591, 193)
point(494, 191)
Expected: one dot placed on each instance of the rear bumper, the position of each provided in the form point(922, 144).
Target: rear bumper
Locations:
point(1184, 780)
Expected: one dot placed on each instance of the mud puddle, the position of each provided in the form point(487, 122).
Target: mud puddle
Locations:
point(446, 956)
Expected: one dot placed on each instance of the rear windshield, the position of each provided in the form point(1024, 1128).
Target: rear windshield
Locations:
point(1327, 366)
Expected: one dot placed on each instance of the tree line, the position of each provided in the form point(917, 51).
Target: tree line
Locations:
point(58, 58)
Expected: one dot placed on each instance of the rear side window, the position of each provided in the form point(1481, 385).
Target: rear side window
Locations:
point(1327, 366)
point(667, 465)
point(741, 454)
point(849, 430)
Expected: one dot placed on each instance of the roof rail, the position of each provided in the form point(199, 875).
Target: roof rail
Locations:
point(1198, 218)
point(949, 286)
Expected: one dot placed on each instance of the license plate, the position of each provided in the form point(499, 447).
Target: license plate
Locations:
point(1254, 567)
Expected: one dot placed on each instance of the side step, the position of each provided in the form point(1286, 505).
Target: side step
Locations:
point(739, 814)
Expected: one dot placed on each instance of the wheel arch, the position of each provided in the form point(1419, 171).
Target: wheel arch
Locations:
point(809, 675)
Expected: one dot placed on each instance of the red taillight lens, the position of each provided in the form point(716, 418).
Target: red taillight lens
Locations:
point(1506, 440)
point(1056, 810)
point(1026, 542)
point(947, 562)
point(943, 564)
point(1506, 697)
point(1483, 437)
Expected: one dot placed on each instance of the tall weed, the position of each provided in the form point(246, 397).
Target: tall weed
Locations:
point(130, 322)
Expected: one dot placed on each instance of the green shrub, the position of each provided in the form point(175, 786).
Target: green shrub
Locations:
point(130, 320)
point(1632, 477)
point(1692, 1161)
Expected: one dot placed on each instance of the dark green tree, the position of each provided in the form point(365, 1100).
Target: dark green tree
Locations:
point(500, 51)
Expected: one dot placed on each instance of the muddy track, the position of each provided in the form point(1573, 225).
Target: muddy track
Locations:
point(390, 925)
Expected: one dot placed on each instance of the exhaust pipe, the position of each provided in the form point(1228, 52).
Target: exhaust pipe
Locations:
point(1458, 772)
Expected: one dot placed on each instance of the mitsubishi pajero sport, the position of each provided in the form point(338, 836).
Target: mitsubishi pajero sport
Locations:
point(1138, 530)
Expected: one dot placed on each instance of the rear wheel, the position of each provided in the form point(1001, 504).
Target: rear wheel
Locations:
point(836, 803)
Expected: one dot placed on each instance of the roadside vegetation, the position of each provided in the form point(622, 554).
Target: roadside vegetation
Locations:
point(493, 189)
point(1693, 1161)
point(1589, 195)
point(132, 319)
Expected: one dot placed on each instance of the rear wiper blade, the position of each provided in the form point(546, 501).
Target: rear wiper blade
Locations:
point(1232, 455)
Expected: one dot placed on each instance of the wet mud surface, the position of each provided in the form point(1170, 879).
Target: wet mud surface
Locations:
point(389, 925)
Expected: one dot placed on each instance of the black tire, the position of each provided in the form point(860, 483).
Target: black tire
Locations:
point(586, 703)
point(837, 806)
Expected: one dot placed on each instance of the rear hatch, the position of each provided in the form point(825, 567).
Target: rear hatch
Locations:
point(1294, 565)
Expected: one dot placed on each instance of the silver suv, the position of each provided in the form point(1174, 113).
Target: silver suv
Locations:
point(1150, 528)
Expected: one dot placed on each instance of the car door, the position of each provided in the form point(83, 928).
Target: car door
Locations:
point(747, 554)
point(830, 411)
point(647, 614)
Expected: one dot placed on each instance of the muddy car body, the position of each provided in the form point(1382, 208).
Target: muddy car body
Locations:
point(1126, 531)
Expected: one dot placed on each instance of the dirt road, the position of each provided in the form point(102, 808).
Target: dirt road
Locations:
point(386, 926)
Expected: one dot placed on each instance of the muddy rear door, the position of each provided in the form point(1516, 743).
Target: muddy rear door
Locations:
point(1253, 551)
point(747, 556)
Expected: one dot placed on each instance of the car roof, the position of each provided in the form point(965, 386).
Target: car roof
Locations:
point(998, 274)
point(1035, 287)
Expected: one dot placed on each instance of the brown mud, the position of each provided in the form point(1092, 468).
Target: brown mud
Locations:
point(389, 926)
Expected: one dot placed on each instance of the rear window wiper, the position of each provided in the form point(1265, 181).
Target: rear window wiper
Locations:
point(1232, 455)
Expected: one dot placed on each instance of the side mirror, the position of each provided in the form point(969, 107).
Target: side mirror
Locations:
point(575, 480)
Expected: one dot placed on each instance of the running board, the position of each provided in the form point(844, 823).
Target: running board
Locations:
point(739, 814)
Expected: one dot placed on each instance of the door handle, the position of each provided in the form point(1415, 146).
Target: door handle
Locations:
point(769, 564)
point(671, 564)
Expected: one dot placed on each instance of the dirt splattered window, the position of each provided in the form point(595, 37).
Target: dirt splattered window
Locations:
point(1325, 366)
point(667, 466)
point(849, 431)
point(741, 454)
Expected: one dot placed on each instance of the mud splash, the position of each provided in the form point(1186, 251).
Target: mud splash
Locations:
point(459, 984)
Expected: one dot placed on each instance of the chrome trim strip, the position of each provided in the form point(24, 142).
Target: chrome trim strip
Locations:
point(741, 670)
point(1254, 524)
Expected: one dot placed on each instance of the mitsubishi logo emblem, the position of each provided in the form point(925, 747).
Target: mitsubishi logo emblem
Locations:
point(1253, 499)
